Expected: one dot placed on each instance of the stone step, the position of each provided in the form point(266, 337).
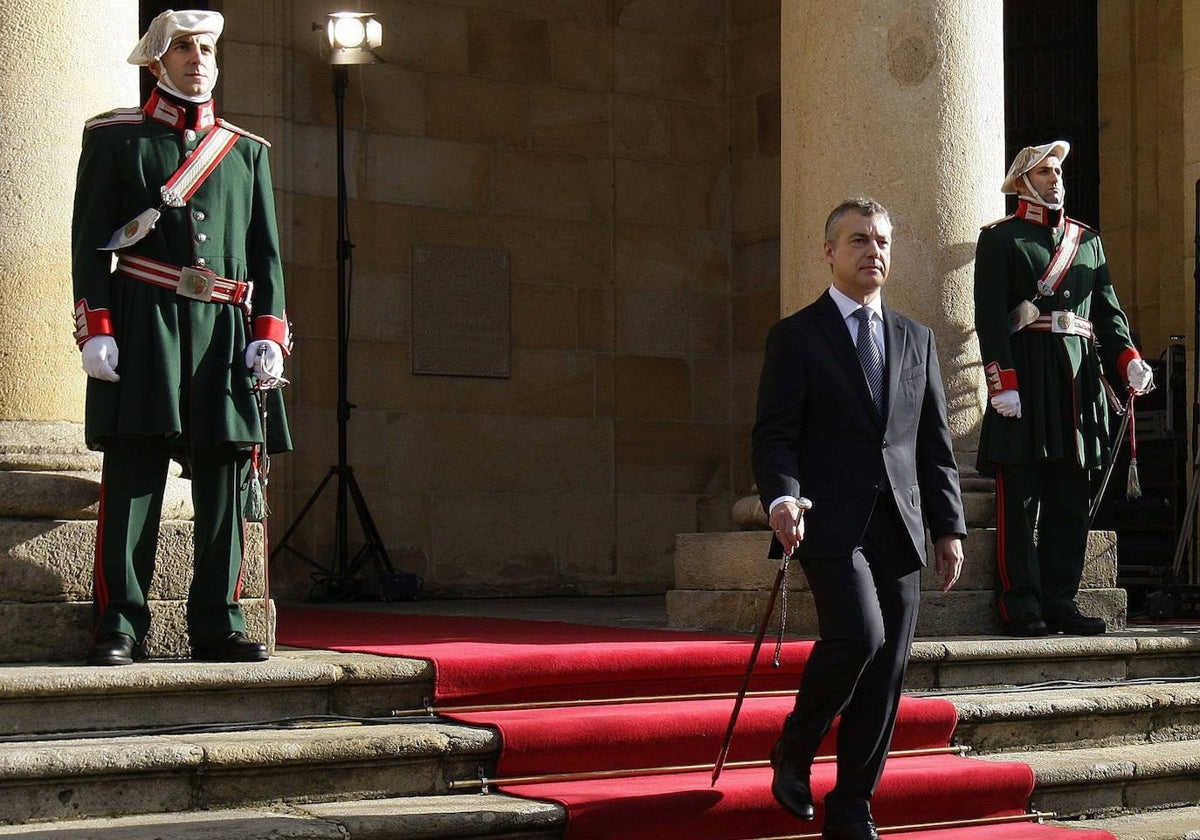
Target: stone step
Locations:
point(1171, 824)
point(1107, 781)
point(1132, 654)
point(72, 698)
point(1079, 716)
point(128, 774)
point(446, 817)
point(723, 581)
point(39, 699)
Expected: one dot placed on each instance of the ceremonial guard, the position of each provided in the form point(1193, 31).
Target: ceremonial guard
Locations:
point(1050, 333)
point(179, 314)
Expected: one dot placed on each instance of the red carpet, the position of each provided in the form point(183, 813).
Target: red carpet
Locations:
point(480, 660)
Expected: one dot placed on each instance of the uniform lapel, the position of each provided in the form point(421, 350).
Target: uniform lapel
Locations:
point(895, 343)
point(838, 338)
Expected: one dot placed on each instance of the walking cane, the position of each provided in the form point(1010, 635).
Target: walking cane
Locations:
point(804, 504)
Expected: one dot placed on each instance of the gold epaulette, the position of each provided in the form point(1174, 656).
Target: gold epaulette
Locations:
point(238, 129)
point(991, 225)
point(117, 116)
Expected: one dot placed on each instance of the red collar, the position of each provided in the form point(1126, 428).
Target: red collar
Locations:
point(1039, 214)
point(163, 110)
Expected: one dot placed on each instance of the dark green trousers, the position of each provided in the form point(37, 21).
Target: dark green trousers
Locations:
point(131, 498)
point(1040, 574)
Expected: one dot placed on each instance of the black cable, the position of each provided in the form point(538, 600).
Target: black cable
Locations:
point(210, 728)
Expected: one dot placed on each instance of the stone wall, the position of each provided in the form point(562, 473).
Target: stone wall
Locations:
point(1147, 142)
point(589, 141)
point(755, 132)
point(624, 157)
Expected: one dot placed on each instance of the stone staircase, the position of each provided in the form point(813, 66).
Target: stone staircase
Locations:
point(309, 745)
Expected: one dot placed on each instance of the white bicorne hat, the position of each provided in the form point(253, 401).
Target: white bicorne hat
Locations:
point(170, 25)
point(1030, 157)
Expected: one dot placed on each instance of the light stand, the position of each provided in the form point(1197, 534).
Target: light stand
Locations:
point(339, 581)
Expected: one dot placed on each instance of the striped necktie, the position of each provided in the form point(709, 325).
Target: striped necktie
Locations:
point(870, 358)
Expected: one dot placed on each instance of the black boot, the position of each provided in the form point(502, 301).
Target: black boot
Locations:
point(229, 647)
point(111, 649)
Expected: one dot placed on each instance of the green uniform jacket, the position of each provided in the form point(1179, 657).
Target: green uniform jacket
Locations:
point(181, 361)
point(1064, 416)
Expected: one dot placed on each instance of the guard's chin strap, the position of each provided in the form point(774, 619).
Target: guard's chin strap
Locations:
point(164, 82)
point(1036, 197)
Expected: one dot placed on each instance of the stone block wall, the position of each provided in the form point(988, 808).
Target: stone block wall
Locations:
point(621, 153)
point(1148, 141)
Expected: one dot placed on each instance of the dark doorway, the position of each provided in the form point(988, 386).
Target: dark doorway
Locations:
point(1050, 91)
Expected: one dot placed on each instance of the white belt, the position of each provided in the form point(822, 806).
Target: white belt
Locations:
point(1062, 322)
point(188, 281)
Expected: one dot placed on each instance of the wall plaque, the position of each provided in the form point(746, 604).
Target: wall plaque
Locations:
point(460, 311)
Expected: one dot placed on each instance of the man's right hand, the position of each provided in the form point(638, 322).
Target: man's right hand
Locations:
point(100, 358)
point(787, 521)
point(1007, 403)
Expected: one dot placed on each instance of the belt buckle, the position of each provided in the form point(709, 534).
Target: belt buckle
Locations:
point(196, 283)
point(1062, 321)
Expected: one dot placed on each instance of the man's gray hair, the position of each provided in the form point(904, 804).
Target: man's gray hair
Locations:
point(860, 204)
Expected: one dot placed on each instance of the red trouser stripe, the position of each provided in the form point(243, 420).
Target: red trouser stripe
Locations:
point(1001, 527)
point(99, 584)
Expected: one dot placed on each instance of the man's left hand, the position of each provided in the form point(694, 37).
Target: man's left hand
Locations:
point(1140, 376)
point(948, 556)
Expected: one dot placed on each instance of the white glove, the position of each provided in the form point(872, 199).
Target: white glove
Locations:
point(100, 358)
point(1139, 375)
point(265, 359)
point(1007, 403)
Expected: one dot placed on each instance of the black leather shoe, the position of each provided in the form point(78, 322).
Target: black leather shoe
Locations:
point(790, 785)
point(1077, 625)
point(850, 831)
point(112, 649)
point(229, 647)
point(1026, 625)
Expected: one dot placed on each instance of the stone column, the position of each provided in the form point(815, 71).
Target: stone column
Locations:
point(65, 62)
point(903, 101)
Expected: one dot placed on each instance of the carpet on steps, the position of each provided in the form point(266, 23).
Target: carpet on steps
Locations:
point(487, 660)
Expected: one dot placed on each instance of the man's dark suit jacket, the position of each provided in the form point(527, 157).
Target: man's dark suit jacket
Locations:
point(818, 435)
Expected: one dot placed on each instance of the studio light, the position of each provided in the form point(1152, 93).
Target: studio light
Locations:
point(353, 37)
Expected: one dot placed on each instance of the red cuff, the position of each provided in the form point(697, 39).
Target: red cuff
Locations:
point(270, 328)
point(1124, 359)
point(999, 380)
point(90, 323)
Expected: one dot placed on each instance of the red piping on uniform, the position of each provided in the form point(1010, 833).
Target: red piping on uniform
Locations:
point(237, 588)
point(99, 584)
point(1001, 565)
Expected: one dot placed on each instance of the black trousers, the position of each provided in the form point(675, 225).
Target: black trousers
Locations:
point(1040, 575)
point(867, 612)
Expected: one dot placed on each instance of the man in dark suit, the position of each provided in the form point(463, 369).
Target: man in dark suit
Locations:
point(852, 415)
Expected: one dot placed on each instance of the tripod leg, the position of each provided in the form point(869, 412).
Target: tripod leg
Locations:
point(1185, 531)
point(383, 563)
point(303, 511)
